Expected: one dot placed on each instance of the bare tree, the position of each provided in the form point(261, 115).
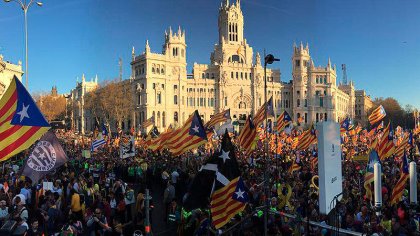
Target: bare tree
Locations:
point(52, 107)
point(111, 101)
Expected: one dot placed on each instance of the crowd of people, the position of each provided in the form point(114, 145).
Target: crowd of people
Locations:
point(106, 195)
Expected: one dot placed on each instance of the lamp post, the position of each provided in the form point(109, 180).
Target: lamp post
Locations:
point(268, 59)
point(25, 6)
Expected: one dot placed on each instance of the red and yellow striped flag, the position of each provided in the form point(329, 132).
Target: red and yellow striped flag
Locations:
point(377, 115)
point(386, 146)
point(400, 186)
point(401, 147)
point(228, 201)
point(21, 122)
point(307, 138)
point(247, 135)
point(283, 121)
point(190, 136)
point(218, 118)
point(266, 108)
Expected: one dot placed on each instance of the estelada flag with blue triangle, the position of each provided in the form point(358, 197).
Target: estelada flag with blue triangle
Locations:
point(21, 121)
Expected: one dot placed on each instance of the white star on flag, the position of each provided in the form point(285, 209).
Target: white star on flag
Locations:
point(225, 156)
point(196, 129)
point(23, 113)
point(239, 193)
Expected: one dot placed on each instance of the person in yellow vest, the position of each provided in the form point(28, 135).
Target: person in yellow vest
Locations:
point(76, 205)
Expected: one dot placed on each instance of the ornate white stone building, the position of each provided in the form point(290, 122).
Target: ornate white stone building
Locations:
point(7, 71)
point(81, 118)
point(234, 79)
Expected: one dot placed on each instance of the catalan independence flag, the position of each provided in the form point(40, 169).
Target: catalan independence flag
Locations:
point(400, 185)
point(369, 176)
point(247, 135)
point(267, 107)
point(344, 126)
point(21, 122)
point(307, 138)
point(385, 146)
point(377, 115)
point(402, 147)
point(148, 122)
point(283, 121)
point(228, 201)
point(189, 136)
point(218, 118)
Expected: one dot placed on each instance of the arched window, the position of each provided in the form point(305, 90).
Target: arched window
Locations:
point(153, 68)
point(163, 119)
point(141, 117)
point(298, 103)
point(162, 71)
point(176, 99)
point(158, 119)
point(237, 58)
point(242, 105)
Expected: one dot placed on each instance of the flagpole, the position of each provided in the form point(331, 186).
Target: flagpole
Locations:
point(266, 185)
point(268, 59)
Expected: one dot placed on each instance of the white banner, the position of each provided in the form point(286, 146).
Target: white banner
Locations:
point(329, 165)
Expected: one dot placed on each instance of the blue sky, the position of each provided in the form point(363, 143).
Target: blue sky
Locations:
point(379, 41)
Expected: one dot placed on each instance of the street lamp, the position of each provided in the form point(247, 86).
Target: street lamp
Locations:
point(25, 6)
point(268, 60)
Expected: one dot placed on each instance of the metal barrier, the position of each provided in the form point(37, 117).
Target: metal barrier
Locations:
point(339, 231)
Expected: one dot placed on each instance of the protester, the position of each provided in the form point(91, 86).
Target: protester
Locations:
point(105, 194)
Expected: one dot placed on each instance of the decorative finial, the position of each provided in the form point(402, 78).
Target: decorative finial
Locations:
point(258, 59)
point(133, 53)
point(147, 48)
point(83, 77)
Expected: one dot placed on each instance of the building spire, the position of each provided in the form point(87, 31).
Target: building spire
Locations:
point(147, 47)
point(329, 62)
point(83, 78)
point(227, 3)
point(133, 54)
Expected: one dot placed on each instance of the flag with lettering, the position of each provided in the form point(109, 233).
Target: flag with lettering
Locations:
point(46, 156)
point(127, 147)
